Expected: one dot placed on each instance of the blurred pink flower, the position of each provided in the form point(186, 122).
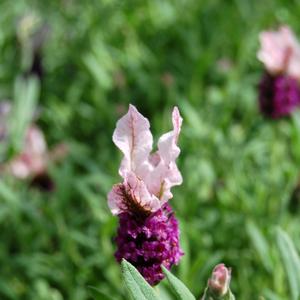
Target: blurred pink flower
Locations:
point(33, 158)
point(280, 52)
point(148, 178)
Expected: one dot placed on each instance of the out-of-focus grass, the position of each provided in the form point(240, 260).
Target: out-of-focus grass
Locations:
point(239, 169)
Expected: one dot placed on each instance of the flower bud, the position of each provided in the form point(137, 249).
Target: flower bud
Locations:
point(220, 279)
point(218, 285)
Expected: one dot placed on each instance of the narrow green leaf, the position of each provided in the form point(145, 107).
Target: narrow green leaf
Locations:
point(260, 244)
point(25, 98)
point(138, 288)
point(291, 262)
point(231, 296)
point(98, 294)
point(181, 291)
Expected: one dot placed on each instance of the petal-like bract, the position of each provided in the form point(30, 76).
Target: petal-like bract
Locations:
point(148, 178)
point(132, 195)
point(33, 159)
point(166, 174)
point(280, 52)
point(133, 137)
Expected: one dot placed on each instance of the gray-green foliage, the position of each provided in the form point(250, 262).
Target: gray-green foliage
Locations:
point(238, 167)
point(181, 291)
point(139, 289)
point(137, 286)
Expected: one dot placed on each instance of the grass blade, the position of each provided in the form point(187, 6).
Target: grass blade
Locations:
point(291, 262)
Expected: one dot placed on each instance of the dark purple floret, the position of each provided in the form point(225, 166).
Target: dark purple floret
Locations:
point(43, 182)
point(149, 242)
point(278, 95)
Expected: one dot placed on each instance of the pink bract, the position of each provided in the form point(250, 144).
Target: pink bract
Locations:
point(148, 177)
point(33, 158)
point(280, 52)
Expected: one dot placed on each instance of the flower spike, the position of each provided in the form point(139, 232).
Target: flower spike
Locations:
point(148, 233)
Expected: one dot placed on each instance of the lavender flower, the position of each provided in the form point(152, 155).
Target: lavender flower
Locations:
point(279, 91)
point(148, 234)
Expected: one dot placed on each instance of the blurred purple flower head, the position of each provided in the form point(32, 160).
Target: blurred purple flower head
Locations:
point(279, 91)
point(148, 234)
point(278, 95)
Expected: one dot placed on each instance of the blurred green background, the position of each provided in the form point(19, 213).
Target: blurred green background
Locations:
point(239, 169)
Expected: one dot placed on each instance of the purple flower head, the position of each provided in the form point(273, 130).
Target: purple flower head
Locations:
point(150, 242)
point(148, 234)
point(279, 95)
